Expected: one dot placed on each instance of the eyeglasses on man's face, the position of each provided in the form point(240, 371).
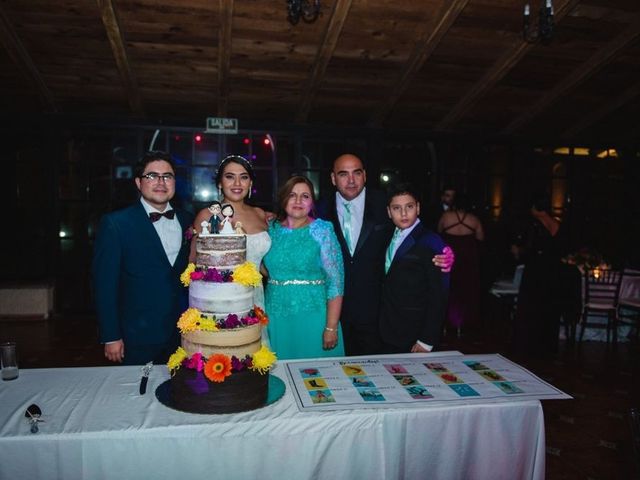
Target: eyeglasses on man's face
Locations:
point(155, 177)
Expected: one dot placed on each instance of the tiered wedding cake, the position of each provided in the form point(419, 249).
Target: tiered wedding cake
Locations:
point(221, 366)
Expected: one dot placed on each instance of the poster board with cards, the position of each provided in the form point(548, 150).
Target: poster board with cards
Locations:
point(412, 380)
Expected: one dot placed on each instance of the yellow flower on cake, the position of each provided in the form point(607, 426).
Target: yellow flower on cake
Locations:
point(185, 277)
point(248, 275)
point(263, 359)
point(175, 360)
point(190, 320)
point(208, 324)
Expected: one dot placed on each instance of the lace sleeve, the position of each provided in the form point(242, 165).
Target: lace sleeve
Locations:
point(330, 257)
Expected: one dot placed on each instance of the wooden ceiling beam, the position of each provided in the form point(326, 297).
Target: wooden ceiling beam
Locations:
point(23, 60)
point(596, 115)
point(323, 56)
point(499, 70)
point(224, 55)
point(595, 63)
point(419, 56)
point(114, 34)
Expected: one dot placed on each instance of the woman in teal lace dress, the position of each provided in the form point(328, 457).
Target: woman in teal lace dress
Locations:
point(306, 278)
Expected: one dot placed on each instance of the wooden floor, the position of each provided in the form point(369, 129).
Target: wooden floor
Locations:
point(588, 437)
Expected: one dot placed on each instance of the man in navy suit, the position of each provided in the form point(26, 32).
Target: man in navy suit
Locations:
point(140, 252)
point(363, 229)
point(414, 295)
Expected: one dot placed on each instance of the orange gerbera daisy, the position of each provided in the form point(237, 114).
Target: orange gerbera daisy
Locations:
point(262, 317)
point(217, 368)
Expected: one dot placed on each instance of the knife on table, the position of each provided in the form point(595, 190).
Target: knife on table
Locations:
point(146, 370)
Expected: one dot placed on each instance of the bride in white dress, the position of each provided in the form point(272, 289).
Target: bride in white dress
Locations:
point(234, 179)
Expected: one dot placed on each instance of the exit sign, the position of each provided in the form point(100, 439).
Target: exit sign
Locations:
point(222, 125)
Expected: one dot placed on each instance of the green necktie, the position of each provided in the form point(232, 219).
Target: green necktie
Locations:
point(390, 251)
point(346, 225)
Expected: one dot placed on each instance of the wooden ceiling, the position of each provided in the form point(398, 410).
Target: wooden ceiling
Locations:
point(456, 66)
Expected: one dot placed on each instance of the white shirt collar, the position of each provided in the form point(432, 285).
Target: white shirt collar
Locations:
point(148, 208)
point(404, 233)
point(402, 236)
point(169, 232)
point(357, 201)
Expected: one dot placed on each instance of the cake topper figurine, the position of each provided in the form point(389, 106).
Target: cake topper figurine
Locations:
point(227, 212)
point(215, 208)
point(239, 229)
point(205, 229)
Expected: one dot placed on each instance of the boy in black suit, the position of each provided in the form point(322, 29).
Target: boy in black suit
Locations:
point(414, 297)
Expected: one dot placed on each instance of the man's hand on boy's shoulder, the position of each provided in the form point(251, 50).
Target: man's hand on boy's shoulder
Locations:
point(445, 260)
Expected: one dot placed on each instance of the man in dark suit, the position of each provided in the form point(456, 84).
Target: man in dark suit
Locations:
point(363, 229)
point(140, 252)
point(414, 297)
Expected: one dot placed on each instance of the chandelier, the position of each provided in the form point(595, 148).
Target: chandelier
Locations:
point(307, 10)
point(544, 30)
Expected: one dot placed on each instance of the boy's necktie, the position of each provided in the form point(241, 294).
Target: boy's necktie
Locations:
point(390, 250)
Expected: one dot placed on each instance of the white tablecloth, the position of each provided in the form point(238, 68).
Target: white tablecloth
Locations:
point(98, 426)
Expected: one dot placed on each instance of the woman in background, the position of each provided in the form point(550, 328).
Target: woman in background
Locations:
point(306, 278)
point(537, 318)
point(462, 231)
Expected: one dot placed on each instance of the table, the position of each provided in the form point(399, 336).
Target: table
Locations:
point(98, 426)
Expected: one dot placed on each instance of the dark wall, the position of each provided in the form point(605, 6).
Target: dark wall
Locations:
point(29, 165)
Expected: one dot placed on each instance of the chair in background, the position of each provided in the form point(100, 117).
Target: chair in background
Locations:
point(601, 291)
point(511, 287)
point(629, 301)
point(506, 293)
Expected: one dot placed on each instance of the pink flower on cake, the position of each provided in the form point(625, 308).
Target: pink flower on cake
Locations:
point(196, 362)
point(232, 321)
point(197, 275)
point(237, 365)
point(213, 275)
point(217, 368)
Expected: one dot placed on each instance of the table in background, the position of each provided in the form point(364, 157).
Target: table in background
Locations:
point(98, 426)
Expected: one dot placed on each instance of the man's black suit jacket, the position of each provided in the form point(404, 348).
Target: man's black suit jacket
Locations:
point(414, 297)
point(137, 291)
point(364, 270)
